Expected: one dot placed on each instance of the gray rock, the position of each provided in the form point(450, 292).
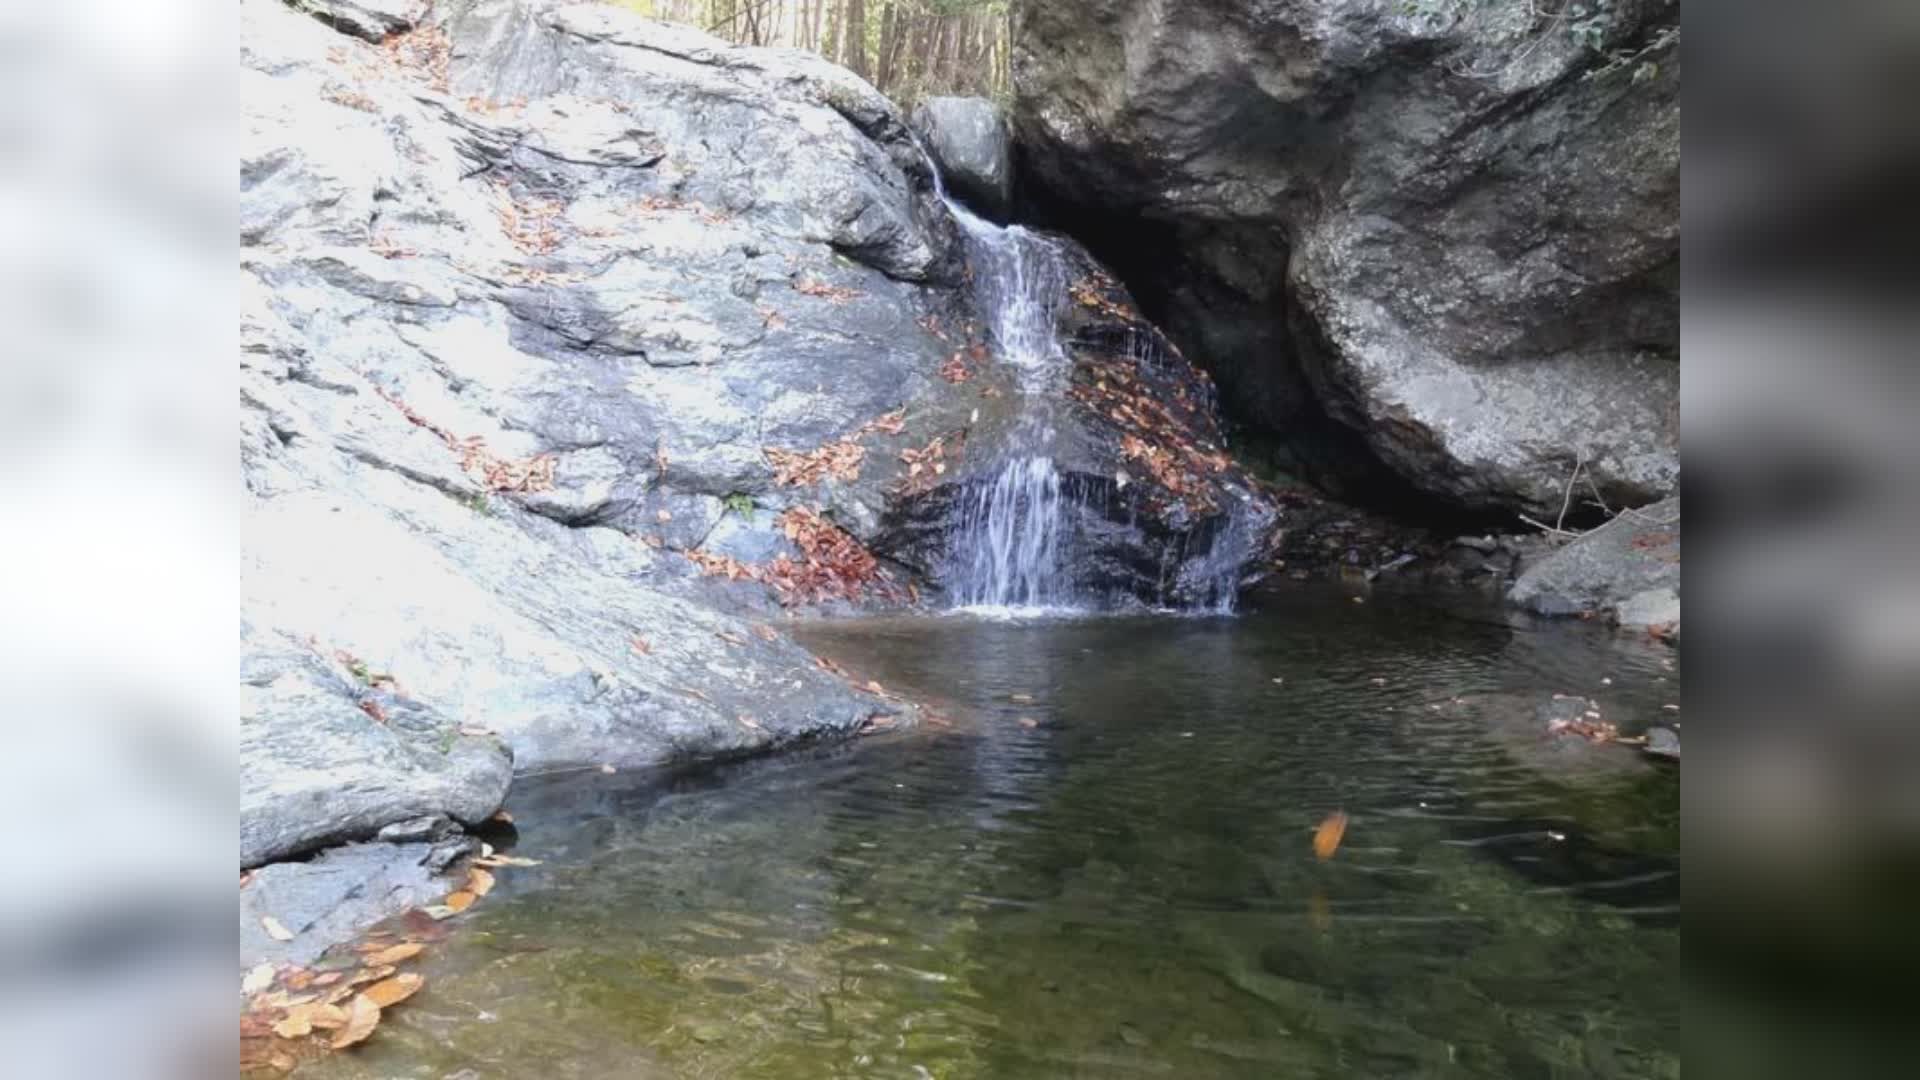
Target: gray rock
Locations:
point(1628, 568)
point(1452, 228)
point(315, 769)
point(1663, 742)
point(1651, 609)
point(332, 898)
point(970, 140)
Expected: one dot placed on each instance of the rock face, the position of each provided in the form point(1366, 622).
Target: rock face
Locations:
point(574, 346)
point(1452, 227)
point(969, 139)
point(1628, 569)
point(326, 761)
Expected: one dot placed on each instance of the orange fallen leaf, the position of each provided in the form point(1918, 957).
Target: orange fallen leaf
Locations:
point(461, 900)
point(388, 992)
point(328, 978)
point(479, 882)
point(275, 929)
point(293, 1027)
point(393, 954)
point(363, 1015)
point(642, 646)
point(1326, 839)
point(320, 1015)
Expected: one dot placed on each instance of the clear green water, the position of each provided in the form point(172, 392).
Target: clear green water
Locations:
point(1123, 886)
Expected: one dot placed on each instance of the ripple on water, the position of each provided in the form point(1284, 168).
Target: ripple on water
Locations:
point(1120, 884)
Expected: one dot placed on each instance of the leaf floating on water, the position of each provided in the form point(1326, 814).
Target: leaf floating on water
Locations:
point(479, 882)
point(363, 1015)
point(388, 992)
point(1326, 839)
point(275, 929)
point(461, 900)
point(393, 954)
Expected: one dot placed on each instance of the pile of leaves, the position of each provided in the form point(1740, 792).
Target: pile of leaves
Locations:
point(497, 473)
point(832, 564)
point(1095, 292)
point(1172, 439)
point(840, 459)
point(927, 464)
point(295, 1014)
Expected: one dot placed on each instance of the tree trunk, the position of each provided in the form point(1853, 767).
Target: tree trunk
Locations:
point(855, 52)
point(889, 33)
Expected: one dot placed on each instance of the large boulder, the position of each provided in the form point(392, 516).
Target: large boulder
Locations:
point(1453, 228)
point(968, 137)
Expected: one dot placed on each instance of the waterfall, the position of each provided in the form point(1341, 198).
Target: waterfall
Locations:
point(1008, 539)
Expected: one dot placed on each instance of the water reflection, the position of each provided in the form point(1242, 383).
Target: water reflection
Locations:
point(1113, 877)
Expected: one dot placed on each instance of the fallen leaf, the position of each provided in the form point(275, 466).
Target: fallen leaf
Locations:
point(873, 687)
point(258, 978)
point(461, 900)
point(274, 928)
point(479, 882)
point(293, 1027)
point(362, 1017)
point(663, 516)
point(321, 1015)
point(1326, 839)
point(765, 632)
point(642, 646)
point(328, 978)
point(370, 973)
point(388, 992)
point(393, 954)
point(298, 979)
point(438, 911)
point(1023, 698)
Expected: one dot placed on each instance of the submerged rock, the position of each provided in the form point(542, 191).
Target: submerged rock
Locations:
point(1627, 569)
point(1452, 228)
point(969, 139)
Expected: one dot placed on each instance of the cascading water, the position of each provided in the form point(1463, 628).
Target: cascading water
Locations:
point(1009, 537)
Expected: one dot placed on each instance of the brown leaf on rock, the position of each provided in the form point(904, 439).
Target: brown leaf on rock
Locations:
point(765, 632)
point(363, 1015)
point(460, 900)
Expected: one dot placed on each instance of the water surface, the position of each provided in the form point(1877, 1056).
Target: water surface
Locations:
point(1113, 878)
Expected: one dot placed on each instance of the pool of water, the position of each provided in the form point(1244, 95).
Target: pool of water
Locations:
point(1102, 866)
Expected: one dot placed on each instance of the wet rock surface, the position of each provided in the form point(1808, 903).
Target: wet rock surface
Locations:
point(1453, 229)
point(970, 140)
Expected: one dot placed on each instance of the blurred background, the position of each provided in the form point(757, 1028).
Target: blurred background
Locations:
point(118, 533)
